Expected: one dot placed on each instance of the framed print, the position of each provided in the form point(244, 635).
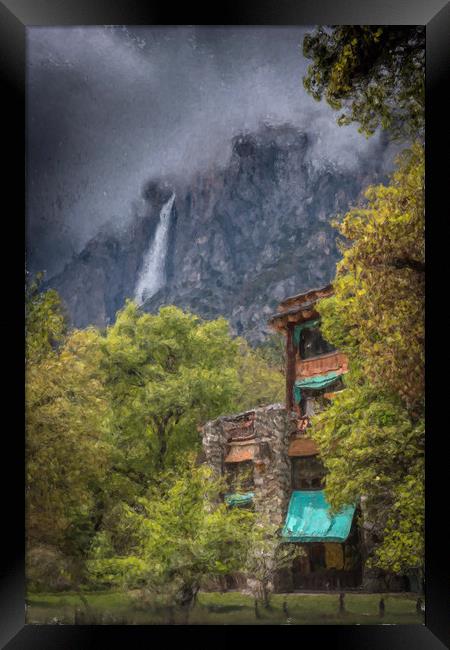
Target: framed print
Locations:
point(226, 298)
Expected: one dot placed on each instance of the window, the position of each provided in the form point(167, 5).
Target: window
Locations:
point(312, 343)
point(317, 556)
point(313, 400)
point(308, 473)
point(240, 477)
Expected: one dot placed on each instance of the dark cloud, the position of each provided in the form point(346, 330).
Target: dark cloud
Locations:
point(109, 108)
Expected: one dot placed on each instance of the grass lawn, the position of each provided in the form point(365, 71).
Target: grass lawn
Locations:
point(230, 608)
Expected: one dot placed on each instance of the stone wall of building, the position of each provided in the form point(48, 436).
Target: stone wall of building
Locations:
point(214, 439)
point(272, 427)
point(269, 431)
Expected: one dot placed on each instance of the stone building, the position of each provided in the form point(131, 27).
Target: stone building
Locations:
point(271, 463)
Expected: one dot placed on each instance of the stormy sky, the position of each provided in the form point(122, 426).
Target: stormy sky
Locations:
point(109, 108)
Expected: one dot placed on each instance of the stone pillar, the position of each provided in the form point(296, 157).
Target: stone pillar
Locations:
point(272, 427)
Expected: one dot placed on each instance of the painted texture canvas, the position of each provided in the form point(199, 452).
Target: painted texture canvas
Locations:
point(225, 325)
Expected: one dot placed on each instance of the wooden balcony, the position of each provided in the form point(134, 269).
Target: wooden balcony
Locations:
point(333, 361)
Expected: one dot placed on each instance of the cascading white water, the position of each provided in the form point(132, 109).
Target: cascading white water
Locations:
point(151, 277)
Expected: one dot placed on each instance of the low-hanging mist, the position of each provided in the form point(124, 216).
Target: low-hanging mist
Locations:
point(109, 108)
point(231, 241)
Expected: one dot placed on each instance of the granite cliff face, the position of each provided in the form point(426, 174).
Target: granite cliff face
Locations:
point(238, 240)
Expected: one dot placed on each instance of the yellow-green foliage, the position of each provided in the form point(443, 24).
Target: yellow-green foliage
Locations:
point(260, 382)
point(168, 373)
point(67, 452)
point(374, 74)
point(377, 312)
point(44, 321)
point(108, 411)
point(371, 447)
point(372, 437)
point(180, 533)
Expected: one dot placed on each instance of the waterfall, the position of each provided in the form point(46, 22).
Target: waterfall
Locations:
point(151, 277)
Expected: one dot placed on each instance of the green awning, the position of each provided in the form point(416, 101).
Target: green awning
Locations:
point(239, 499)
point(319, 381)
point(308, 519)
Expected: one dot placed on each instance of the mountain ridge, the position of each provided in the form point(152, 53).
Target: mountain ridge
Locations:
point(240, 238)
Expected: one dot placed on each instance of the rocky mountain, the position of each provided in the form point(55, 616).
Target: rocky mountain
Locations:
point(232, 241)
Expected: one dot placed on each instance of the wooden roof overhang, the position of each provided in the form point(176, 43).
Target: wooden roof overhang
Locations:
point(280, 320)
point(301, 446)
point(298, 308)
point(310, 296)
point(241, 450)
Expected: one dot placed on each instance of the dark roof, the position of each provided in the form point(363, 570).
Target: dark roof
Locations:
point(294, 310)
point(327, 287)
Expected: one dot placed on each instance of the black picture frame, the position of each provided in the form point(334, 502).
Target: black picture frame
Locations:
point(15, 17)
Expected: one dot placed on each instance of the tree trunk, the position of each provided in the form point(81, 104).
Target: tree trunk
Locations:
point(83, 617)
point(185, 614)
point(266, 596)
point(161, 426)
point(171, 615)
point(421, 580)
point(187, 600)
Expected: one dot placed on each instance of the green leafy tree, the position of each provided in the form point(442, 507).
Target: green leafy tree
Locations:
point(377, 312)
point(273, 351)
point(371, 447)
point(372, 437)
point(45, 324)
point(373, 74)
point(180, 534)
point(265, 557)
point(260, 380)
point(67, 455)
point(108, 411)
point(167, 373)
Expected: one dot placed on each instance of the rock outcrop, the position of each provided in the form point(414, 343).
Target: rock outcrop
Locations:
point(241, 238)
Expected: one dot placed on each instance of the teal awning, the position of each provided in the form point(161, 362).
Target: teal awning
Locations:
point(319, 381)
point(301, 326)
point(308, 519)
point(239, 499)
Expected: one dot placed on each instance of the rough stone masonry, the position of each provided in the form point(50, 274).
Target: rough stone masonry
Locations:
point(271, 427)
